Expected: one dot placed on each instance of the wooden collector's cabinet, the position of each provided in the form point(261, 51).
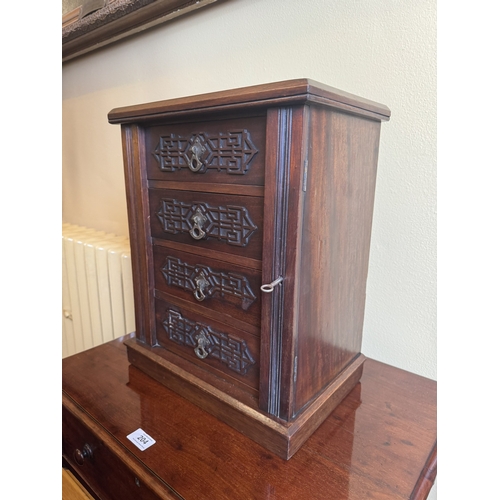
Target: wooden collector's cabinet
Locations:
point(250, 216)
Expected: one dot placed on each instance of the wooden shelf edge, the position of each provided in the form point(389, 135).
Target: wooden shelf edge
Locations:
point(427, 477)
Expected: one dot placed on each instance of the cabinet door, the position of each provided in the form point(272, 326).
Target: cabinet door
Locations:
point(286, 147)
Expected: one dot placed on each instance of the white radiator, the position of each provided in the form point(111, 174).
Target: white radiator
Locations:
point(98, 300)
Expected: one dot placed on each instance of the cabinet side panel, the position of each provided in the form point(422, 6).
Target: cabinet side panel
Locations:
point(140, 237)
point(338, 209)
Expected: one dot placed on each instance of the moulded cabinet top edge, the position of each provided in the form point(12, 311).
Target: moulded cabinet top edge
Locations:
point(280, 93)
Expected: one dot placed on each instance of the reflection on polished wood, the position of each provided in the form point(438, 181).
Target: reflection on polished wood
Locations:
point(380, 442)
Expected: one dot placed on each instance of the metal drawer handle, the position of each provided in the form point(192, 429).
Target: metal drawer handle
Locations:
point(201, 284)
point(270, 287)
point(81, 455)
point(203, 342)
point(197, 150)
point(198, 220)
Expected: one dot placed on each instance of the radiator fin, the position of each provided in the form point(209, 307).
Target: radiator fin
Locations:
point(97, 298)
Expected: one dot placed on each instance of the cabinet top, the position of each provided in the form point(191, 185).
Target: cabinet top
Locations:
point(288, 92)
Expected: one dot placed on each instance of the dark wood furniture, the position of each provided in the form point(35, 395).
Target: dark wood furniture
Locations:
point(380, 442)
point(232, 194)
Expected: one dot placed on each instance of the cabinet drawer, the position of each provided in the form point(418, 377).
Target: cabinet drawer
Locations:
point(225, 223)
point(209, 284)
point(231, 354)
point(221, 151)
point(95, 460)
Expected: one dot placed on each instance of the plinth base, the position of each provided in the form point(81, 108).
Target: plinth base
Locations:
point(280, 437)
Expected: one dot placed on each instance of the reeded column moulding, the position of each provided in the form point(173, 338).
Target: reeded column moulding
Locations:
point(250, 215)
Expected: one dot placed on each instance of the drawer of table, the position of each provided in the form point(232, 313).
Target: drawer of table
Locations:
point(221, 349)
point(101, 467)
point(222, 151)
point(224, 223)
point(209, 284)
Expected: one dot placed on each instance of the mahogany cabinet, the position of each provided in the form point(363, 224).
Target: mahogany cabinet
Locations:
point(250, 216)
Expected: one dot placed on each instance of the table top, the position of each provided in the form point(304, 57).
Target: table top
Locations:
point(379, 443)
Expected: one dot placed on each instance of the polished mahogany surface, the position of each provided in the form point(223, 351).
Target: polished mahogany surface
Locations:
point(380, 442)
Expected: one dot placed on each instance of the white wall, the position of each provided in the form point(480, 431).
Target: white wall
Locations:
point(384, 50)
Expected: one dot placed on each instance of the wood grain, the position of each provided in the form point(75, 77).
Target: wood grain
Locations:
point(111, 471)
point(232, 282)
point(72, 489)
point(221, 134)
point(210, 253)
point(284, 192)
point(336, 228)
point(298, 91)
point(138, 217)
point(221, 205)
point(208, 188)
point(233, 344)
point(378, 443)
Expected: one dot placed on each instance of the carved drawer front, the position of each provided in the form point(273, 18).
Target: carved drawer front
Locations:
point(212, 345)
point(209, 284)
point(103, 471)
point(226, 223)
point(222, 151)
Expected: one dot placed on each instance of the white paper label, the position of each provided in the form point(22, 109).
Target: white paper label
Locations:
point(142, 440)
